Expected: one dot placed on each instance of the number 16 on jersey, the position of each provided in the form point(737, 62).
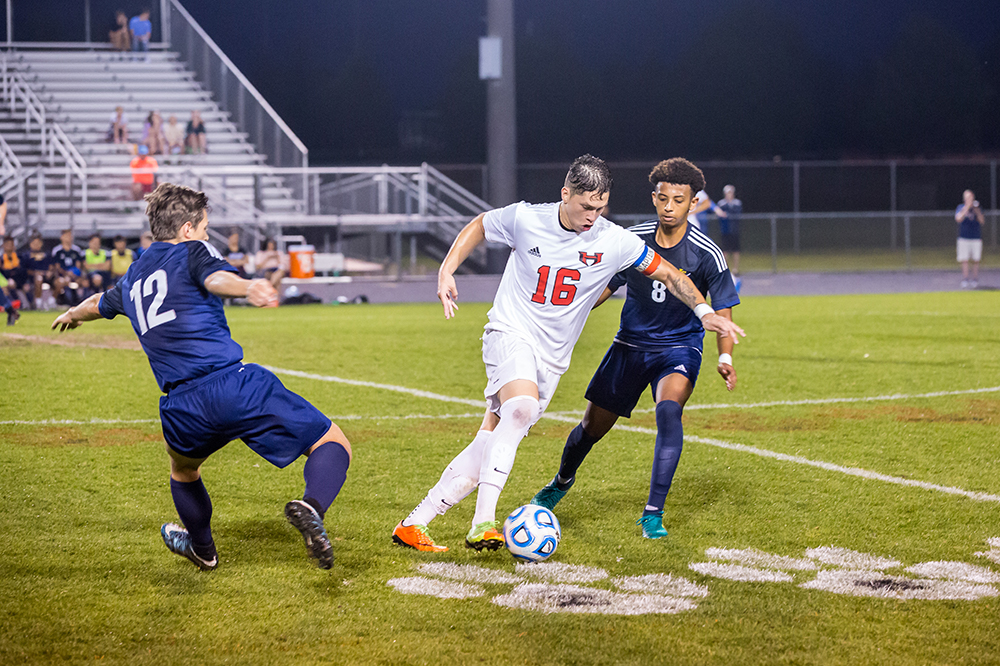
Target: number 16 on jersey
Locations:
point(563, 289)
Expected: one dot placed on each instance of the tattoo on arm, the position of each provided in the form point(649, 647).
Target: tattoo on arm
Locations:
point(684, 290)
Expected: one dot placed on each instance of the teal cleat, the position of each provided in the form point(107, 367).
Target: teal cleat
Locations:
point(652, 525)
point(550, 495)
point(178, 541)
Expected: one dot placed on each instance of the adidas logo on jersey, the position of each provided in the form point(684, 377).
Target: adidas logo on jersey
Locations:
point(681, 368)
point(535, 252)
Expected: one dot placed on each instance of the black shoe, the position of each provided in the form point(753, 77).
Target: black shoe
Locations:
point(12, 316)
point(306, 520)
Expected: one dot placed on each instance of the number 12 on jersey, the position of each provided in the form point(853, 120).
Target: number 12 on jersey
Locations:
point(563, 293)
point(152, 317)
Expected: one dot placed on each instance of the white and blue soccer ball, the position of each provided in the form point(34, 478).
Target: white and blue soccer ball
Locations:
point(531, 533)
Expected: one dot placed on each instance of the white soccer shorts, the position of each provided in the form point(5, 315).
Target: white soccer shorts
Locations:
point(508, 357)
point(970, 249)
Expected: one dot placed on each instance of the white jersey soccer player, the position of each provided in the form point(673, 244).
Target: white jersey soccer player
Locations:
point(563, 256)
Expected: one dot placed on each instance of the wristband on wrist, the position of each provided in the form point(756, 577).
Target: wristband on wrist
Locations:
point(726, 359)
point(703, 309)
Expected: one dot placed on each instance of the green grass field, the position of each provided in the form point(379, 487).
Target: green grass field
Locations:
point(87, 578)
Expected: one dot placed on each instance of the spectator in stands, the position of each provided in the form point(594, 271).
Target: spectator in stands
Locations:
point(67, 263)
point(143, 173)
point(142, 30)
point(3, 216)
point(152, 134)
point(271, 264)
point(970, 220)
point(121, 258)
point(12, 271)
point(236, 255)
point(118, 130)
point(173, 132)
point(96, 264)
point(729, 210)
point(118, 34)
point(145, 240)
point(11, 265)
point(195, 134)
point(38, 270)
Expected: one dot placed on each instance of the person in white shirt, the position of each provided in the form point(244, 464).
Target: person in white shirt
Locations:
point(563, 255)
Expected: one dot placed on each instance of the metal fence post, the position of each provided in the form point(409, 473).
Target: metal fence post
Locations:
point(774, 244)
point(906, 241)
point(797, 204)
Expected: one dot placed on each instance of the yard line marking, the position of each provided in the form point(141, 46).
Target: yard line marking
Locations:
point(387, 387)
point(852, 471)
point(732, 446)
point(77, 422)
point(830, 401)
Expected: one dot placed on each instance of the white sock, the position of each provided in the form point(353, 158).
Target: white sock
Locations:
point(457, 481)
point(516, 416)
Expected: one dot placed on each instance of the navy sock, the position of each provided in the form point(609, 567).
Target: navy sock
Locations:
point(325, 472)
point(194, 507)
point(578, 445)
point(666, 455)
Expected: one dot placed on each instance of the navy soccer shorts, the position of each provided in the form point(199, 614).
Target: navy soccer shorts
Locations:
point(625, 373)
point(240, 402)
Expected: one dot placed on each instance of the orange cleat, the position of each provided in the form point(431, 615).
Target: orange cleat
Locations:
point(485, 535)
point(416, 536)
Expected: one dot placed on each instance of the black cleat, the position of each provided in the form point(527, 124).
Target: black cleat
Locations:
point(306, 520)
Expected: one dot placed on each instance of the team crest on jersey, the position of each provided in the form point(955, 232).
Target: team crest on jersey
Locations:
point(590, 259)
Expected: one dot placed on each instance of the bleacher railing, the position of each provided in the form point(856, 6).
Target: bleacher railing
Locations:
point(233, 91)
point(18, 96)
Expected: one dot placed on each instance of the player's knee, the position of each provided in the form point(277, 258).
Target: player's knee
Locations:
point(521, 411)
point(334, 436)
point(668, 412)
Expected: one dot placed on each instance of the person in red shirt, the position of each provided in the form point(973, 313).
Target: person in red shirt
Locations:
point(143, 176)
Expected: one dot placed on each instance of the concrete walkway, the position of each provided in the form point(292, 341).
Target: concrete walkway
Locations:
point(481, 288)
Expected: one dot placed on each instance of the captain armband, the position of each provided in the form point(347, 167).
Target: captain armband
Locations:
point(648, 262)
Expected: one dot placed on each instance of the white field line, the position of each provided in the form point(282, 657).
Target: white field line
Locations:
point(386, 387)
point(44, 422)
point(852, 471)
point(831, 401)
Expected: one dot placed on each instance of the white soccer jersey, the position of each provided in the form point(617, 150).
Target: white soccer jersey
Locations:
point(553, 276)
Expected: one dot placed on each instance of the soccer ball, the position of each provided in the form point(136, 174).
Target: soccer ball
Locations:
point(531, 533)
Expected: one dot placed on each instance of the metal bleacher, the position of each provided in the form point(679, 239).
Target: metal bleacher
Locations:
point(78, 91)
point(58, 170)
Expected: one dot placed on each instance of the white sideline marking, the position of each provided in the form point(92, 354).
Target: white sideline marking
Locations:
point(852, 471)
point(386, 387)
point(77, 422)
point(830, 401)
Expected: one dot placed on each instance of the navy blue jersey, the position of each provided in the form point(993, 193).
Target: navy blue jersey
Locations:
point(652, 318)
point(734, 210)
point(182, 327)
point(67, 259)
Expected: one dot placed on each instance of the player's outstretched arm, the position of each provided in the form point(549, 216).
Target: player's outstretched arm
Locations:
point(684, 290)
point(85, 311)
point(467, 240)
point(228, 285)
point(725, 345)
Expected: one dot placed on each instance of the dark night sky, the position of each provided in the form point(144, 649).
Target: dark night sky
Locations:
point(344, 73)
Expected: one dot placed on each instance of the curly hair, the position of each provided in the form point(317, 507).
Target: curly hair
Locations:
point(169, 206)
point(678, 171)
point(588, 174)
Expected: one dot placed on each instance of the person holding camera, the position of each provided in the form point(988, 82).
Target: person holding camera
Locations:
point(970, 220)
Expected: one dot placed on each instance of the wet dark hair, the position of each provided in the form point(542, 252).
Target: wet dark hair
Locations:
point(678, 171)
point(588, 174)
point(169, 206)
